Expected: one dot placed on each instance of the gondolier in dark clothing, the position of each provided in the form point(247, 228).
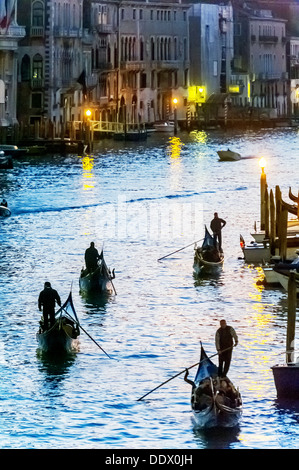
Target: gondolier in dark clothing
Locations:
point(46, 302)
point(226, 338)
point(216, 226)
point(91, 257)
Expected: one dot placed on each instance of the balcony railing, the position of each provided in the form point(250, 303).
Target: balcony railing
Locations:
point(37, 83)
point(269, 39)
point(37, 31)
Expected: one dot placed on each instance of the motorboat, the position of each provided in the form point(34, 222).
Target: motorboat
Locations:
point(228, 155)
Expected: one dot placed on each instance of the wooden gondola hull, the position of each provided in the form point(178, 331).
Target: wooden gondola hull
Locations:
point(202, 266)
point(4, 211)
point(95, 282)
point(217, 417)
point(56, 341)
point(62, 336)
point(216, 414)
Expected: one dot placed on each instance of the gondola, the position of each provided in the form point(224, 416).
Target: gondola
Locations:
point(99, 280)
point(4, 211)
point(220, 403)
point(62, 336)
point(293, 197)
point(207, 258)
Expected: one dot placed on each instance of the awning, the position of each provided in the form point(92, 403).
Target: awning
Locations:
point(217, 98)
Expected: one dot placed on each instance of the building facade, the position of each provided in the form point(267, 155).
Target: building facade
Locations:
point(141, 58)
point(51, 58)
point(10, 35)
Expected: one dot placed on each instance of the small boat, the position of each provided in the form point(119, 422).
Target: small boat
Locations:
point(256, 253)
point(5, 161)
point(220, 403)
point(270, 274)
point(165, 126)
point(207, 258)
point(62, 336)
point(13, 150)
point(99, 280)
point(4, 211)
point(283, 276)
point(228, 155)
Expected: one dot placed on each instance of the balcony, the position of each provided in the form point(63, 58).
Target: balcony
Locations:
point(37, 83)
point(268, 39)
point(133, 66)
point(37, 31)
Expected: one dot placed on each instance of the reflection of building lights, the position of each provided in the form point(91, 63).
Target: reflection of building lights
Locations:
point(87, 164)
point(175, 147)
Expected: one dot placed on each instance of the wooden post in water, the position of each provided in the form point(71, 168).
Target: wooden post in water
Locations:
point(283, 228)
point(267, 212)
point(292, 303)
point(263, 184)
point(278, 211)
point(272, 224)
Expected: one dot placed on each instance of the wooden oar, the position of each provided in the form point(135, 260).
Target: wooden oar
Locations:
point(179, 373)
point(89, 335)
point(181, 249)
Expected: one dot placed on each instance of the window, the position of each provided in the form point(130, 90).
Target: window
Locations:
point(25, 68)
point(36, 100)
point(37, 67)
point(38, 14)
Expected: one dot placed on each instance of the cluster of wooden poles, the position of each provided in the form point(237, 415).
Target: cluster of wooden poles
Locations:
point(274, 216)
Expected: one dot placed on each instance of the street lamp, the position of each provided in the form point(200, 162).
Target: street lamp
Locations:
point(175, 101)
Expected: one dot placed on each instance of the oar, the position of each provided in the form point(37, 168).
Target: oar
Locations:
point(187, 368)
point(180, 249)
point(89, 336)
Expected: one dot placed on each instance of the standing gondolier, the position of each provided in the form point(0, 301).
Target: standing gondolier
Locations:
point(226, 338)
point(46, 302)
point(92, 257)
point(216, 226)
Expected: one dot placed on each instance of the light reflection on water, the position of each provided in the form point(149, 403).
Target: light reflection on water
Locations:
point(138, 202)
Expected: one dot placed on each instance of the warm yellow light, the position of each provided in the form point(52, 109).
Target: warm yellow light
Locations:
point(200, 89)
point(175, 100)
point(88, 113)
point(262, 162)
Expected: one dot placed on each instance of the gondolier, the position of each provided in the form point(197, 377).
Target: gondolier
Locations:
point(46, 303)
point(225, 339)
point(92, 257)
point(216, 226)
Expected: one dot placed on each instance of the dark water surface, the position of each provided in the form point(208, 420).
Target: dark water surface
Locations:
point(141, 202)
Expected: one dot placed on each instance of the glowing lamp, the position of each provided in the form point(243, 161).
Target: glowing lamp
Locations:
point(175, 100)
point(262, 163)
point(88, 113)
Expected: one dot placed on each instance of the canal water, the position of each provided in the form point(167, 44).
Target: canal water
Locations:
point(141, 202)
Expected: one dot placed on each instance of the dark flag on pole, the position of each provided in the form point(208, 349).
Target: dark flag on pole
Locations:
point(82, 81)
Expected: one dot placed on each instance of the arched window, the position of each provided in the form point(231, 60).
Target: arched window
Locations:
point(38, 14)
point(25, 68)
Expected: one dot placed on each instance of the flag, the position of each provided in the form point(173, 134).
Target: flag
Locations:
point(7, 12)
point(82, 81)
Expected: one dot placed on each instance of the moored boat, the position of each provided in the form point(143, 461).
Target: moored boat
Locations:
point(4, 211)
point(228, 155)
point(207, 258)
point(215, 402)
point(62, 336)
point(99, 280)
point(13, 150)
point(164, 126)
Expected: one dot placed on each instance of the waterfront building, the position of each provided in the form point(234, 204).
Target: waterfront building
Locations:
point(260, 51)
point(211, 54)
point(140, 54)
point(52, 56)
point(10, 35)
